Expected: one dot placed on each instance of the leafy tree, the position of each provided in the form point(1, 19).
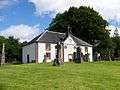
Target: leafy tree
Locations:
point(106, 49)
point(13, 48)
point(24, 43)
point(116, 41)
point(85, 22)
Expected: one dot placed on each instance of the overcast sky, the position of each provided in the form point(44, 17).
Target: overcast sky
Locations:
point(25, 19)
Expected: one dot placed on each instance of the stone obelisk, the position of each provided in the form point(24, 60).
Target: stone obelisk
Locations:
point(3, 55)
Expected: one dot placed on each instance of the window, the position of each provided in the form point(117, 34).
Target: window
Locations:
point(48, 47)
point(86, 49)
point(65, 47)
point(48, 55)
point(74, 47)
point(70, 40)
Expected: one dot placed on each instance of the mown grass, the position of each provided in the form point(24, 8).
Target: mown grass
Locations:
point(70, 76)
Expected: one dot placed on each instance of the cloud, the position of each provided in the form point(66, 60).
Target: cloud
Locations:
point(6, 3)
point(109, 9)
point(23, 32)
point(3, 3)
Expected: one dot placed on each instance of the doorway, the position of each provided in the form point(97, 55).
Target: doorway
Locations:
point(70, 57)
point(28, 59)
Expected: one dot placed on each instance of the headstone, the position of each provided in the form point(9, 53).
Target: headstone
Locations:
point(56, 61)
point(78, 60)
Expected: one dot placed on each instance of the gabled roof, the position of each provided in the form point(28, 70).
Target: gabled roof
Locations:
point(80, 42)
point(51, 37)
point(54, 37)
point(34, 40)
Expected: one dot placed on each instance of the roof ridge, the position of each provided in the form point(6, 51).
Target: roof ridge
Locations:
point(41, 35)
point(34, 39)
point(55, 32)
point(54, 37)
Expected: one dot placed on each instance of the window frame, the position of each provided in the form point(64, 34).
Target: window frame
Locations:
point(86, 49)
point(48, 55)
point(47, 46)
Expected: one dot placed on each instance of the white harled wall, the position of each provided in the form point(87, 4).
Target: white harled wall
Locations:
point(28, 50)
point(70, 48)
point(89, 51)
point(69, 42)
point(42, 51)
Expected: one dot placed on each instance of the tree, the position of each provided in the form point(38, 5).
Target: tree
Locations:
point(116, 40)
point(13, 48)
point(24, 43)
point(106, 48)
point(85, 22)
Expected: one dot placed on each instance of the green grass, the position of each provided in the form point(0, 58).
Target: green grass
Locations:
point(70, 76)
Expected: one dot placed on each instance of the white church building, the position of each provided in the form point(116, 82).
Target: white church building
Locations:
point(43, 48)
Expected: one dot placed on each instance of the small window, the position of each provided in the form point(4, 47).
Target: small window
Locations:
point(74, 47)
point(70, 40)
point(65, 47)
point(48, 55)
point(86, 49)
point(48, 47)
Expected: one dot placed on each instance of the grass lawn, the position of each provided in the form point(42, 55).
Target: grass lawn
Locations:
point(70, 76)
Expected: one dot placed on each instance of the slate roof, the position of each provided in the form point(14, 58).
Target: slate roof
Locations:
point(34, 40)
point(80, 42)
point(54, 37)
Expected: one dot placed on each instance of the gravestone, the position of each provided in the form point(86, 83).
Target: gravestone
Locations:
point(79, 58)
point(56, 61)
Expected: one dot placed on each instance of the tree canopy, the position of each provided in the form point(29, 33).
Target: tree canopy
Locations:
point(13, 49)
point(85, 23)
point(116, 41)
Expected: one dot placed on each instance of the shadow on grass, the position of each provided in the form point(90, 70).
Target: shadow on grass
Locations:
point(16, 63)
point(2, 86)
